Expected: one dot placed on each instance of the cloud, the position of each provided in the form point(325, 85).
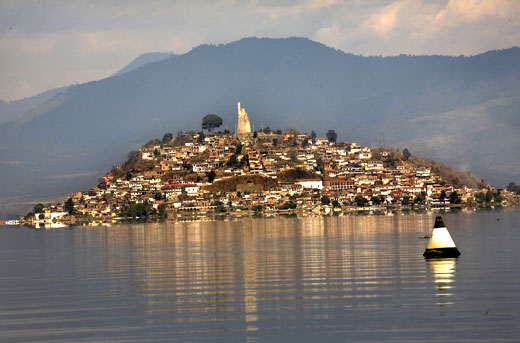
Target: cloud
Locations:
point(425, 18)
point(427, 27)
point(324, 3)
point(384, 20)
point(467, 11)
point(53, 43)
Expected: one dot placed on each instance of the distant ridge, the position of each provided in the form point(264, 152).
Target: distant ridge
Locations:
point(16, 110)
point(24, 109)
point(462, 111)
point(141, 60)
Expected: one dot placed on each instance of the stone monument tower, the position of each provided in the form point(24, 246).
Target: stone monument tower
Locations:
point(244, 126)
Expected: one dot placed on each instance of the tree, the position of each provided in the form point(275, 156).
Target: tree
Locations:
point(490, 196)
point(158, 196)
point(320, 166)
point(168, 136)
point(336, 203)
point(332, 136)
point(69, 206)
point(480, 196)
point(211, 121)
point(211, 176)
point(360, 200)
point(161, 211)
point(514, 188)
point(325, 200)
point(288, 205)
point(406, 200)
point(406, 154)
point(420, 198)
point(454, 198)
point(376, 200)
point(233, 161)
point(187, 166)
point(313, 136)
point(38, 208)
point(201, 137)
point(137, 210)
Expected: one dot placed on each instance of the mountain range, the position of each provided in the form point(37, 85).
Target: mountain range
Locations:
point(463, 111)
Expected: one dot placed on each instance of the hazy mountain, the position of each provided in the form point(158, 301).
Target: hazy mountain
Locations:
point(17, 109)
point(143, 59)
point(25, 109)
point(461, 110)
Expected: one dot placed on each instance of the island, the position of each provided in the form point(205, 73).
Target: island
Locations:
point(266, 172)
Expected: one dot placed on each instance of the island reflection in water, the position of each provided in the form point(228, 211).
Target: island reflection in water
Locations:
point(268, 270)
point(358, 278)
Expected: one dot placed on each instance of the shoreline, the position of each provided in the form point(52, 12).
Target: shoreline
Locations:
point(238, 215)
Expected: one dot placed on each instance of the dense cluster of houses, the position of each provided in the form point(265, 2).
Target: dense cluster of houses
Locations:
point(196, 174)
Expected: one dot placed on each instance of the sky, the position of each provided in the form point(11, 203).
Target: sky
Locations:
point(46, 44)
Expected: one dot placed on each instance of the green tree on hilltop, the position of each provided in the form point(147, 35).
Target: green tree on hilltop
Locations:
point(211, 121)
point(313, 136)
point(406, 154)
point(332, 136)
point(168, 136)
point(514, 188)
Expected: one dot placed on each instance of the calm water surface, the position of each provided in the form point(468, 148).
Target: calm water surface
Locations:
point(351, 278)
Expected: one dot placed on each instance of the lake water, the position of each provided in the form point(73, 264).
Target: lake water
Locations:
point(349, 278)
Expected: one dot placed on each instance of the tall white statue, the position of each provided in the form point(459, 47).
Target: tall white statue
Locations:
point(244, 126)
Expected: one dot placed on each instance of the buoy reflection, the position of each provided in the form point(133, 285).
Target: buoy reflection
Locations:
point(443, 270)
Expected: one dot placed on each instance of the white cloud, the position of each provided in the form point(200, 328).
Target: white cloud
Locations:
point(325, 3)
point(428, 27)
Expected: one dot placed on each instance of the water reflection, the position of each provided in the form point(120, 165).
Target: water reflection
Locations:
point(49, 225)
point(244, 278)
point(262, 269)
point(443, 270)
point(345, 278)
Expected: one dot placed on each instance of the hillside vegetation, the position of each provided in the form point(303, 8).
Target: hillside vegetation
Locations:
point(446, 173)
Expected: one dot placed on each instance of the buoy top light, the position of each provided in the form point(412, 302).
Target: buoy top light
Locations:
point(440, 244)
point(438, 222)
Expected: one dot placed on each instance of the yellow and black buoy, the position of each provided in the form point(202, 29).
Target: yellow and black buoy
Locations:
point(440, 244)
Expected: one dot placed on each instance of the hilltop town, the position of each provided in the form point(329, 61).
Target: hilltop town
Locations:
point(266, 172)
